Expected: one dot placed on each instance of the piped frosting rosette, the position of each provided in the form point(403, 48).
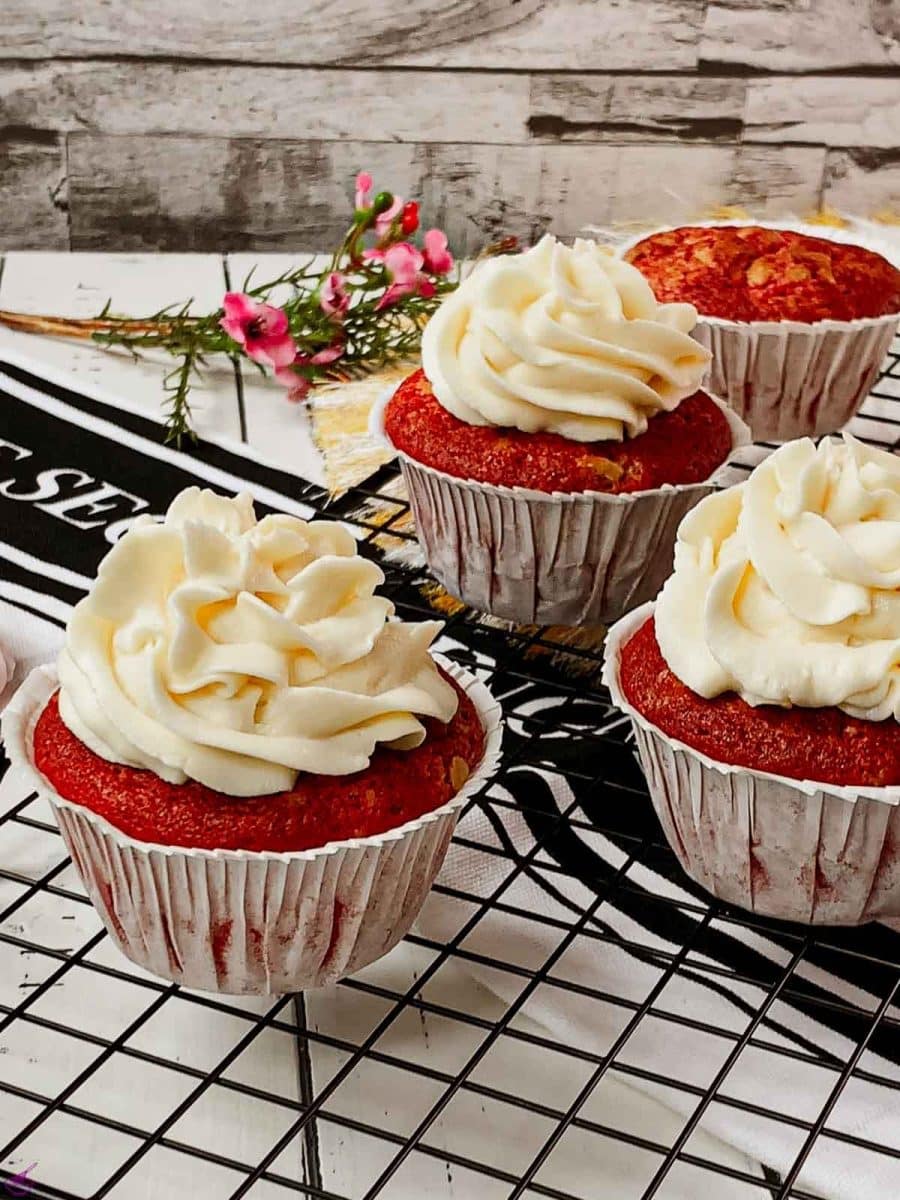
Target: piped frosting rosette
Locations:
point(234, 652)
point(561, 339)
point(786, 589)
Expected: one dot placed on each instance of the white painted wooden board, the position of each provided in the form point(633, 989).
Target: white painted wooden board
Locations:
point(434, 105)
point(272, 102)
point(835, 111)
point(33, 192)
point(80, 284)
point(851, 180)
point(804, 35)
point(524, 34)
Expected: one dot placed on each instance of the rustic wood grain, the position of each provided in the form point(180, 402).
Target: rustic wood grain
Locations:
point(831, 111)
point(523, 34)
point(445, 106)
point(214, 125)
point(815, 35)
point(867, 181)
point(570, 34)
point(627, 108)
point(480, 192)
point(822, 110)
point(223, 193)
point(200, 193)
point(33, 193)
point(266, 102)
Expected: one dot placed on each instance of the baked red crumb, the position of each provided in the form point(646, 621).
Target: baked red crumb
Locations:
point(684, 446)
point(821, 744)
point(747, 273)
point(397, 787)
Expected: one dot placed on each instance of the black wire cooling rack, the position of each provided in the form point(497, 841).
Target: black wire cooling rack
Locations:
point(158, 1091)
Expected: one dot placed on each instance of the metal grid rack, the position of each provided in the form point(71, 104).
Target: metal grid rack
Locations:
point(37, 907)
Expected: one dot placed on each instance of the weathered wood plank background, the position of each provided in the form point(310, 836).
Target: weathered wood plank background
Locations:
point(227, 125)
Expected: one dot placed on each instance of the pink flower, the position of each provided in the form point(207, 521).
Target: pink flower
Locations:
point(363, 190)
point(334, 297)
point(261, 329)
point(403, 263)
point(385, 220)
point(438, 259)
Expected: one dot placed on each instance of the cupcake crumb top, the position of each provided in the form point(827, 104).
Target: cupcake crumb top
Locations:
point(753, 273)
point(681, 447)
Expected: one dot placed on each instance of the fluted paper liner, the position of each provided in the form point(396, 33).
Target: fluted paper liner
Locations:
point(817, 853)
point(252, 922)
point(561, 558)
point(790, 379)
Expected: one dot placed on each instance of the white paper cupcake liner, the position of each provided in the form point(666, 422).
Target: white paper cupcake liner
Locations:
point(576, 558)
point(816, 853)
point(790, 379)
point(248, 922)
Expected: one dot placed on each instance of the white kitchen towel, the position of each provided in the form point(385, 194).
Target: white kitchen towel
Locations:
point(648, 912)
point(74, 472)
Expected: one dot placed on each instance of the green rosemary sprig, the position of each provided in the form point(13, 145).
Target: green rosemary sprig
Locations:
point(177, 386)
point(363, 311)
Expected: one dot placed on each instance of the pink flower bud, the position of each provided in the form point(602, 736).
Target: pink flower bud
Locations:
point(385, 220)
point(438, 259)
point(363, 190)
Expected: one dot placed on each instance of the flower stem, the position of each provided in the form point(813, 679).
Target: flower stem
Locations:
point(80, 327)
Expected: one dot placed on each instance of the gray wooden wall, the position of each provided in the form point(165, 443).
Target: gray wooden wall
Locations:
point(234, 124)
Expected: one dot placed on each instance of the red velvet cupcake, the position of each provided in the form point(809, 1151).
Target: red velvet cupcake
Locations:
point(765, 687)
point(556, 435)
point(256, 771)
point(798, 320)
point(685, 446)
point(396, 788)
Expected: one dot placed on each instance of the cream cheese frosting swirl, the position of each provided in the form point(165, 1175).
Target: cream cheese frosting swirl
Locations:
point(561, 339)
point(238, 653)
point(786, 588)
